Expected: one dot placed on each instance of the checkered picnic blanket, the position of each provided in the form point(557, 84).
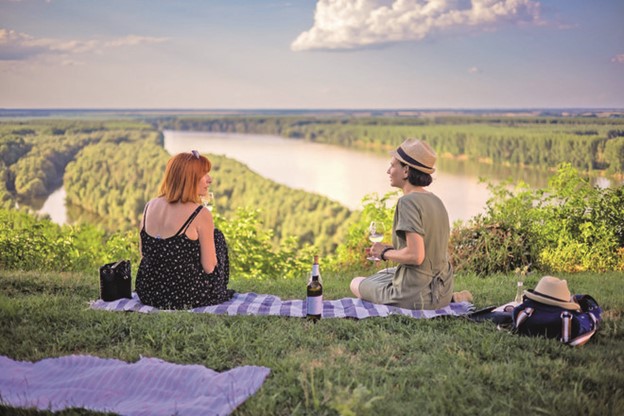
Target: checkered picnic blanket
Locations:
point(264, 304)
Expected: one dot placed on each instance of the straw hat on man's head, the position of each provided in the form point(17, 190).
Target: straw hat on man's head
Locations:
point(417, 154)
point(552, 291)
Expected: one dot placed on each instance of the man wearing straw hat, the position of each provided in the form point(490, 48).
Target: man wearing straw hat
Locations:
point(423, 278)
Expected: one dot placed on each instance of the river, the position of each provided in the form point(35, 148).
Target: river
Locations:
point(342, 174)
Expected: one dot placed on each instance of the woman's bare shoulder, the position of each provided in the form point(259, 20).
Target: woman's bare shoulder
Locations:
point(156, 201)
point(204, 217)
point(171, 210)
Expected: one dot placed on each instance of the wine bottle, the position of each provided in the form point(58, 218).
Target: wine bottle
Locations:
point(314, 300)
point(520, 274)
point(519, 292)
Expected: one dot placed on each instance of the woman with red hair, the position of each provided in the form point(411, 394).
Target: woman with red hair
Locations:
point(184, 259)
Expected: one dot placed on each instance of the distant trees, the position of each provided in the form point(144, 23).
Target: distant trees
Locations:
point(34, 154)
point(115, 181)
point(111, 169)
point(312, 218)
point(614, 155)
point(587, 143)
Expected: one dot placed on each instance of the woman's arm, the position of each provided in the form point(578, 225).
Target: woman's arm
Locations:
point(140, 243)
point(413, 253)
point(141, 225)
point(205, 231)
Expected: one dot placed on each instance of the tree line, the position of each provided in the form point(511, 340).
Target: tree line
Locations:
point(566, 227)
point(34, 153)
point(115, 181)
point(110, 169)
point(587, 143)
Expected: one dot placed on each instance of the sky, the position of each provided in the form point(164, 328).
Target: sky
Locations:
point(305, 54)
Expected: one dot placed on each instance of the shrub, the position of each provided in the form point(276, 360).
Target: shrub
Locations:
point(31, 243)
point(252, 255)
point(569, 226)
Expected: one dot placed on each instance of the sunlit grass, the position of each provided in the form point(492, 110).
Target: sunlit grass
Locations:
point(378, 366)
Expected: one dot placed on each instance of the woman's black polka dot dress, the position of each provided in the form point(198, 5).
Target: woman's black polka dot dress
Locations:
point(171, 276)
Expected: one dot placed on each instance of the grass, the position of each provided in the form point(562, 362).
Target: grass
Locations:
point(377, 366)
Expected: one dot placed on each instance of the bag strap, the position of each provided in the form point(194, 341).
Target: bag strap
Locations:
point(566, 326)
point(188, 221)
point(522, 316)
point(117, 264)
point(583, 338)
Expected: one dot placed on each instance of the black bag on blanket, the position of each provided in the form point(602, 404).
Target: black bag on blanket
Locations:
point(115, 281)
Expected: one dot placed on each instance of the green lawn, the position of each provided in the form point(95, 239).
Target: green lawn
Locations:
point(377, 366)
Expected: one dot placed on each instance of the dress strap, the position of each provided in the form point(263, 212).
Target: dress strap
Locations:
point(188, 221)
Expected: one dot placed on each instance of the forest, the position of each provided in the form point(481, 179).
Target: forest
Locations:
point(115, 181)
point(111, 168)
point(588, 143)
point(35, 153)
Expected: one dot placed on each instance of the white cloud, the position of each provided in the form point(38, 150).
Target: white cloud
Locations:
point(17, 1)
point(351, 24)
point(474, 70)
point(134, 40)
point(618, 58)
point(15, 46)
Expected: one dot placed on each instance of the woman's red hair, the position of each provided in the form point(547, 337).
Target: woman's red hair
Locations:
point(182, 177)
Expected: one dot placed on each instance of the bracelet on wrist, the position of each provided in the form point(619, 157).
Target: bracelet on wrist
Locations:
point(383, 253)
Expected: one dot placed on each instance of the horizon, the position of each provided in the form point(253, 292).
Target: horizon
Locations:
point(138, 113)
point(298, 55)
point(303, 108)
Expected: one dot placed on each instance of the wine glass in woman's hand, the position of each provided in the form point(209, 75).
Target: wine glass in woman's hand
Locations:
point(376, 231)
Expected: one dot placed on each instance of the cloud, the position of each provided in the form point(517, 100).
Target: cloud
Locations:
point(134, 40)
point(15, 46)
point(17, 1)
point(619, 59)
point(352, 24)
point(474, 70)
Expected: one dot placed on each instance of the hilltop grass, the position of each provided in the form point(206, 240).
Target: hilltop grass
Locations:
point(377, 366)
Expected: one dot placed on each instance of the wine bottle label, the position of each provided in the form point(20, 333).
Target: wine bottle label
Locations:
point(315, 305)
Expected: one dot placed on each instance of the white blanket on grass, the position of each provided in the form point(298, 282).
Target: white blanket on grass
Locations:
point(148, 387)
point(262, 304)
